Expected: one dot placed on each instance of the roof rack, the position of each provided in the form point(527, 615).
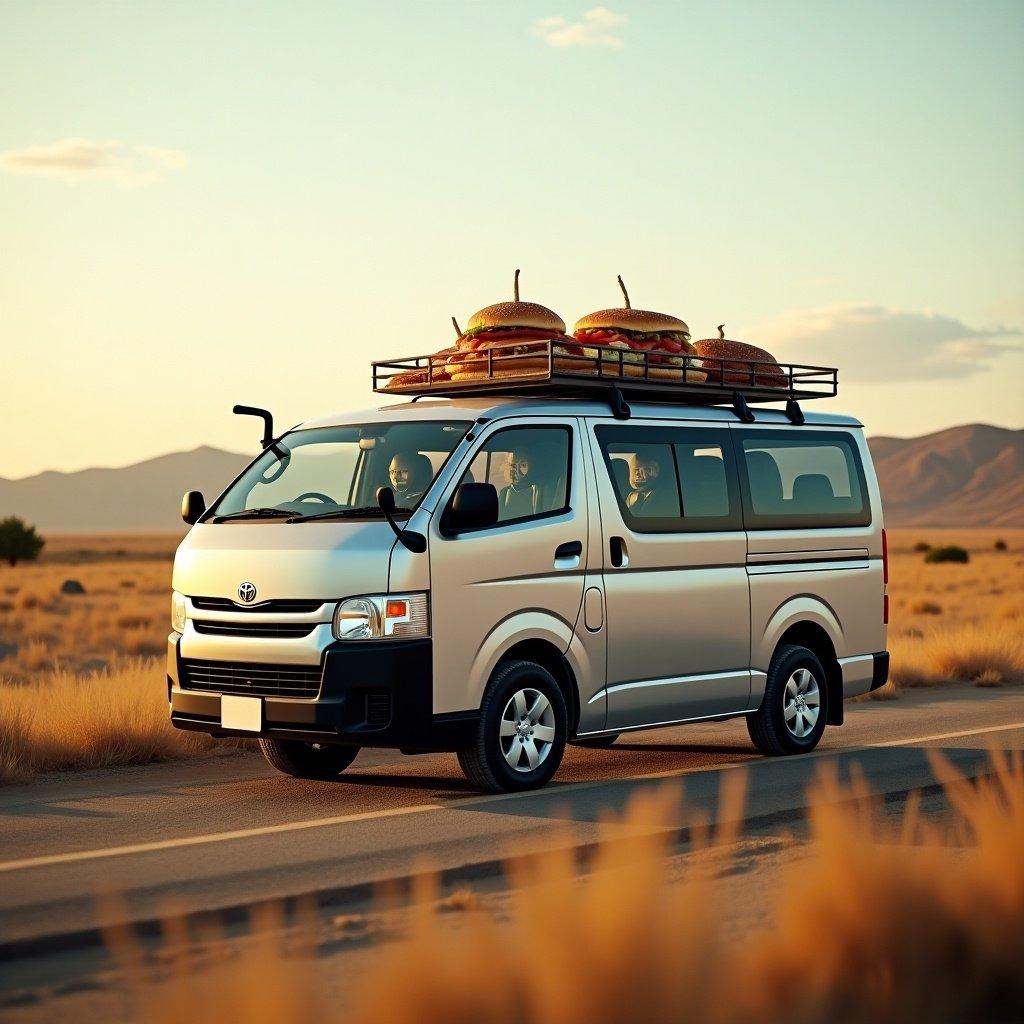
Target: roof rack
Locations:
point(536, 369)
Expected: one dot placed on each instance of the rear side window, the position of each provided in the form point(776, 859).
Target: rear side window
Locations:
point(801, 479)
point(672, 479)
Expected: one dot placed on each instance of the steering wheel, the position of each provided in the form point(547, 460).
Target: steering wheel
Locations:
point(326, 499)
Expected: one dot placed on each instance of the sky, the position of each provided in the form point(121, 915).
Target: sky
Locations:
point(204, 203)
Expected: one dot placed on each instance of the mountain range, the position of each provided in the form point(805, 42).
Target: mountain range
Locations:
point(971, 475)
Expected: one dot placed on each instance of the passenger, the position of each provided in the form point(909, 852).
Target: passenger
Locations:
point(519, 498)
point(654, 487)
point(410, 474)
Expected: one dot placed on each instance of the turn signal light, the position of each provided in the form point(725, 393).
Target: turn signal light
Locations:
point(397, 609)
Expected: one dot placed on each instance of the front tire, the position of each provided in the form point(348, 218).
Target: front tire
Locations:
point(522, 732)
point(308, 760)
point(791, 718)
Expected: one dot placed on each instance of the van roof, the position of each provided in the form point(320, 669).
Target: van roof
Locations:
point(499, 408)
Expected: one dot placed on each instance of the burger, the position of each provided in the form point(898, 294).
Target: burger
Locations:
point(642, 342)
point(736, 362)
point(511, 336)
point(438, 372)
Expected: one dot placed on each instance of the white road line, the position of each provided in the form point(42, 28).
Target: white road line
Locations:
point(344, 819)
point(215, 837)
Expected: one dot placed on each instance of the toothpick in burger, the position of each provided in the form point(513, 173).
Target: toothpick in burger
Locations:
point(632, 332)
point(514, 331)
point(736, 362)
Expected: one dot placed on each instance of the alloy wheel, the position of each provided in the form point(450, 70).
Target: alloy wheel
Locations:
point(527, 730)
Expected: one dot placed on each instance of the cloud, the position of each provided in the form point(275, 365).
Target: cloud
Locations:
point(75, 160)
point(872, 343)
point(596, 28)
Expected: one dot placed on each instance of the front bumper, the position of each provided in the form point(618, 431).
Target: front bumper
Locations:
point(375, 693)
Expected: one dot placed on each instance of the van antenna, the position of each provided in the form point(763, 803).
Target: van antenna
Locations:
point(625, 294)
point(458, 329)
point(721, 332)
point(515, 285)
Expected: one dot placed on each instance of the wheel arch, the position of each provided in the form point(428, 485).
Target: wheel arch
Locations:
point(546, 654)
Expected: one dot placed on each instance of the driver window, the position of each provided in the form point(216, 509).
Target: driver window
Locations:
point(528, 467)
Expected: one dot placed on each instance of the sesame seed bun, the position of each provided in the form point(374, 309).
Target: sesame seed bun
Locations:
point(516, 314)
point(644, 320)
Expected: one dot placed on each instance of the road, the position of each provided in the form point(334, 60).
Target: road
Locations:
point(224, 832)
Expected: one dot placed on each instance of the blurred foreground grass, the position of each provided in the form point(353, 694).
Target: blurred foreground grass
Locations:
point(883, 919)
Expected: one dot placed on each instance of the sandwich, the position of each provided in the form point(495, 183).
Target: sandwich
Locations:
point(642, 342)
point(735, 362)
point(512, 335)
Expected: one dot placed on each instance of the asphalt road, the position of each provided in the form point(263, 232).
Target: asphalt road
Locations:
point(225, 832)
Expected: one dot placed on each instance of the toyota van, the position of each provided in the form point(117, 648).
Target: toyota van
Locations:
point(500, 576)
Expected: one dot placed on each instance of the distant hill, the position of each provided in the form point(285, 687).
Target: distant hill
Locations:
point(965, 476)
point(142, 497)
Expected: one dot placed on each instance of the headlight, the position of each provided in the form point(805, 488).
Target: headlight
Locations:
point(179, 612)
point(382, 615)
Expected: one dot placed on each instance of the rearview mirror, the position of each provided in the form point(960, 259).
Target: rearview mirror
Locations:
point(474, 507)
point(193, 505)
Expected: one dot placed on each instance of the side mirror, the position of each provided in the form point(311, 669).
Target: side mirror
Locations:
point(415, 542)
point(473, 507)
point(193, 505)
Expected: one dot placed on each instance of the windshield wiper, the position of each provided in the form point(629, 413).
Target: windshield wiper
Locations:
point(253, 513)
point(343, 513)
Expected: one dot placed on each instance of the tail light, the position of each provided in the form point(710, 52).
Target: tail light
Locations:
point(885, 609)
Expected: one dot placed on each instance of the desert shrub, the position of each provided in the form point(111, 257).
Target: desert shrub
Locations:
point(1000, 545)
point(926, 608)
point(19, 542)
point(947, 553)
point(922, 545)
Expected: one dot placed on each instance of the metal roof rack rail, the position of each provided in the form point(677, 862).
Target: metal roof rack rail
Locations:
point(545, 369)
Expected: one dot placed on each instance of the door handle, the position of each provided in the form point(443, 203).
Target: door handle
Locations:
point(570, 549)
point(617, 551)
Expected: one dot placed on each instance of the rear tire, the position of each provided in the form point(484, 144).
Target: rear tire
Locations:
point(308, 760)
point(522, 732)
point(596, 742)
point(791, 718)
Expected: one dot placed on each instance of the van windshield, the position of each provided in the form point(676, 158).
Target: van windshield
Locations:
point(334, 472)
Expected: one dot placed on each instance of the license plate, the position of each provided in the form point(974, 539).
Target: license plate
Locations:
point(242, 713)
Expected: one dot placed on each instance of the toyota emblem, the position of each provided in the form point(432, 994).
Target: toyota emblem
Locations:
point(247, 592)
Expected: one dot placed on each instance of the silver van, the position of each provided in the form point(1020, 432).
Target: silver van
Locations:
point(498, 577)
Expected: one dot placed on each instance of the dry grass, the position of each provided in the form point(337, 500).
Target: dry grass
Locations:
point(874, 921)
point(65, 721)
point(954, 622)
point(950, 623)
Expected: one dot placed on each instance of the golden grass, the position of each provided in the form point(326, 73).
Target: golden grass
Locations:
point(873, 920)
point(950, 623)
point(65, 721)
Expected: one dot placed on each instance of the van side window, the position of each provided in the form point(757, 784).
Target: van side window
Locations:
point(672, 479)
point(802, 479)
point(529, 467)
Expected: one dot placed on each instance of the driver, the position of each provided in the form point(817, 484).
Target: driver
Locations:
point(519, 498)
point(410, 474)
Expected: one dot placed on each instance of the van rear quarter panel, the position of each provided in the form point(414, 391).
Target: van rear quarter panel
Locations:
point(829, 576)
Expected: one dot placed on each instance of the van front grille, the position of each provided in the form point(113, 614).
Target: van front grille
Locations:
point(224, 604)
point(283, 630)
point(245, 678)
